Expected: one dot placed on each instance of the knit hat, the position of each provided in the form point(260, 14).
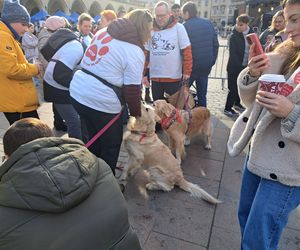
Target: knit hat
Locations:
point(54, 23)
point(14, 12)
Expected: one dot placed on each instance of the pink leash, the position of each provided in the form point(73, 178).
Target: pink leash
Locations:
point(102, 131)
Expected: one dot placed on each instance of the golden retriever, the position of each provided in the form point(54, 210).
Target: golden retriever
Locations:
point(146, 150)
point(181, 126)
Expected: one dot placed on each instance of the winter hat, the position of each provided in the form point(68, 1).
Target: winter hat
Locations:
point(14, 12)
point(54, 23)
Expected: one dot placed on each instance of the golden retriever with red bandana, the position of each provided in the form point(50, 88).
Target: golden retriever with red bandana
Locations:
point(146, 150)
point(181, 126)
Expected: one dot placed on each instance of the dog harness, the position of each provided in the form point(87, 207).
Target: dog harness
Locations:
point(168, 121)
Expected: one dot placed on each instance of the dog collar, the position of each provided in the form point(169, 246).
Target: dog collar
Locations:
point(141, 133)
point(168, 121)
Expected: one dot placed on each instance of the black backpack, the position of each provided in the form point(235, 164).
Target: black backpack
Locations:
point(58, 39)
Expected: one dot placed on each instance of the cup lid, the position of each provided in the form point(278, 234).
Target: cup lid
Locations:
point(272, 78)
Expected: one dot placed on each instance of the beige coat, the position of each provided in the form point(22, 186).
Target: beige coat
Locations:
point(275, 142)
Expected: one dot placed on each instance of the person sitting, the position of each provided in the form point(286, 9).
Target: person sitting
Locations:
point(55, 194)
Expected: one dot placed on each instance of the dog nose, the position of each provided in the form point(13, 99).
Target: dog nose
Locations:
point(147, 109)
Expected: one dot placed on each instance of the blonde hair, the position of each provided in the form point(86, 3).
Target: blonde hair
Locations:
point(141, 18)
point(277, 14)
point(292, 55)
point(84, 17)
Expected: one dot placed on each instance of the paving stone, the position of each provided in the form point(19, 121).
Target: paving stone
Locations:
point(158, 241)
point(226, 214)
point(195, 166)
point(185, 221)
point(290, 240)
point(231, 178)
point(224, 239)
point(294, 220)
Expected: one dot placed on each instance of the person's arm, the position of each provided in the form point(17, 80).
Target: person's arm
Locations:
point(186, 51)
point(13, 69)
point(133, 74)
point(70, 57)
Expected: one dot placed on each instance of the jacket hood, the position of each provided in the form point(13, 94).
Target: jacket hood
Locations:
point(124, 30)
point(48, 175)
point(172, 21)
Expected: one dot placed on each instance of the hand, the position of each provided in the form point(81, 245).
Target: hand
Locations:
point(257, 64)
point(185, 77)
point(145, 82)
point(39, 67)
point(277, 105)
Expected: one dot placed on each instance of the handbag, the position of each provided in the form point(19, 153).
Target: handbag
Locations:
point(183, 98)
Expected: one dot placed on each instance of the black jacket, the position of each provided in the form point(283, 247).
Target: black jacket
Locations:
point(236, 51)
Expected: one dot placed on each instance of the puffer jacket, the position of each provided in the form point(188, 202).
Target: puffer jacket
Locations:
point(17, 90)
point(30, 46)
point(56, 195)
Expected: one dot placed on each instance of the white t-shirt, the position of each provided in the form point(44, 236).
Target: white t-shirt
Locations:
point(70, 54)
point(164, 49)
point(120, 63)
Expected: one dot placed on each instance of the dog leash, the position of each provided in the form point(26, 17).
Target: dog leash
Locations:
point(103, 130)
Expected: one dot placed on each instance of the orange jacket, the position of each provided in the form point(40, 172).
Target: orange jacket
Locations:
point(17, 90)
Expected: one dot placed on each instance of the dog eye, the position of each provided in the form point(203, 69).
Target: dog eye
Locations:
point(147, 109)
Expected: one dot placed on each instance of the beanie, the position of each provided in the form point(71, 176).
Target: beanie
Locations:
point(54, 23)
point(14, 12)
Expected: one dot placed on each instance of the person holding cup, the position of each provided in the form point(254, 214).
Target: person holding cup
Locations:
point(270, 187)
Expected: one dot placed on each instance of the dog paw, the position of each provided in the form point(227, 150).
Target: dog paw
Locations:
point(150, 186)
point(187, 142)
point(208, 147)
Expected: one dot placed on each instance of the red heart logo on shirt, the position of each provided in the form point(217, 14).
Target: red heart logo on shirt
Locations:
point(101, 35)
point(92, 52)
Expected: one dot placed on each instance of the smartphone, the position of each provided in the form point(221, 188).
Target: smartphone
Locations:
point(253, 39)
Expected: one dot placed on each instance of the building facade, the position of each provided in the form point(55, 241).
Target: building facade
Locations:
point(94, 7)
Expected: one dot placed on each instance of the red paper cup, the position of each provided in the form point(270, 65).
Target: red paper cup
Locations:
point(272, 83)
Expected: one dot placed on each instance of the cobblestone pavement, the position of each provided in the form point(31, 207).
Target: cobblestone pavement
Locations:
point(174, 220)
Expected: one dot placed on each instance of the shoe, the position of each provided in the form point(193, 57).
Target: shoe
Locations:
point(61, 127)
point(230, 113)
point(239, 108)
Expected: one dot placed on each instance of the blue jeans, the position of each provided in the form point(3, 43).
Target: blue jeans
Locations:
point(201, 87)
point(71, 117)
point(263, 210)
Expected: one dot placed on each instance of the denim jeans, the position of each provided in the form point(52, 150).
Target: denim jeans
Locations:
point(201, 87)
point(263, 210)
point(71, 117)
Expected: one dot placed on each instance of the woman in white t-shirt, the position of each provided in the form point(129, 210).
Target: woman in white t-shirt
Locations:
point(115, 57)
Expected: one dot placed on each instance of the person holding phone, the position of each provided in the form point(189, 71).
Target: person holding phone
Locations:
point(270, 187)
point(238, 60)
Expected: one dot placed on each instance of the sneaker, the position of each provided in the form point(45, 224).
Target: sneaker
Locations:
point(239, 108)
point(230, 112)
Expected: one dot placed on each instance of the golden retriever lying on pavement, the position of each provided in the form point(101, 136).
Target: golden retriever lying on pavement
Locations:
point(180, 127)
point(146, 150)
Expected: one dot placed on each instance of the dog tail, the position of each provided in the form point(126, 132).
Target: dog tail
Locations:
point(197, 192)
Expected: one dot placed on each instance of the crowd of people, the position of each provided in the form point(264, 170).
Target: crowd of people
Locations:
point(93, 74)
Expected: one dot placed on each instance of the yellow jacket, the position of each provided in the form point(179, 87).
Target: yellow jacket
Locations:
point(17, 90)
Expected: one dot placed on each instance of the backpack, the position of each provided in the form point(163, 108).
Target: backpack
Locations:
point(58, 39)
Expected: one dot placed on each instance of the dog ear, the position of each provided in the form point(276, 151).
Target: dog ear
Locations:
point(167, 109)
point(131, 123)
point(157, 118)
